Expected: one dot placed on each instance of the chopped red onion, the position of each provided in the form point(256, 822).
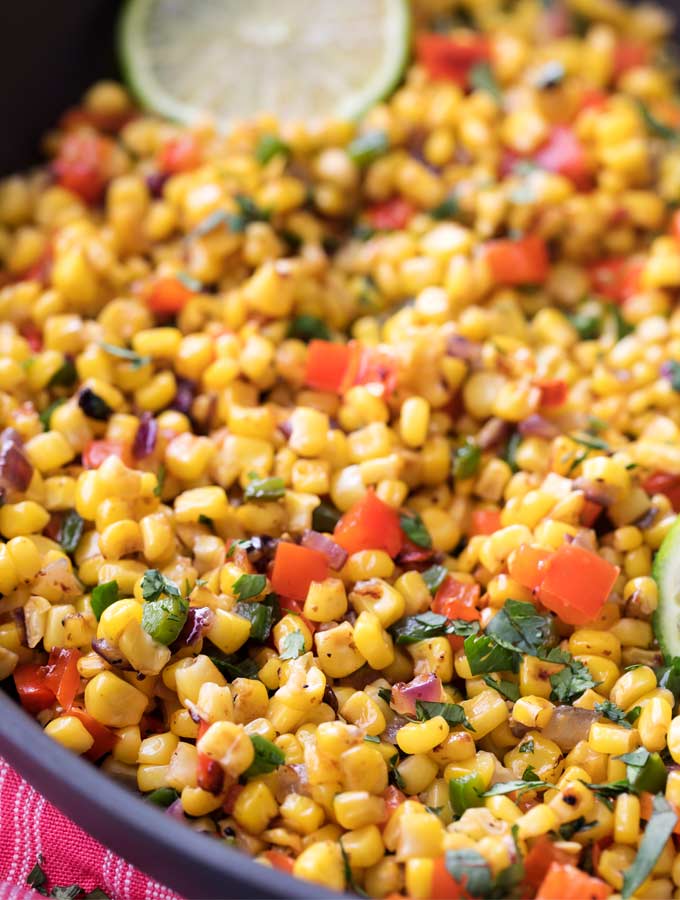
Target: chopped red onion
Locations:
point(184, 397)
point(199, 619)
point(646, 520)
point(461, 348)
point(145, 438)
point(492, 433)
point(155, 182)
point(422, 687)
point(537, 426)
point(584, 538)
point(569, 725)
point(389, 735)
point(176, 811)
point(596, 491)
point(291, 779)
point(16, 470)
point(333, 552)
point(19, 618)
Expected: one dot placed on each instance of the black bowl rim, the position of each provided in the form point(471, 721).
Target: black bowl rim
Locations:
point(172, 853)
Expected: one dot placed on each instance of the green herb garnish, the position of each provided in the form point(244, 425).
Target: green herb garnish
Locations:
point(247, 586)
point(368, 147)
point(466, 460)
point(103, 595)
point(434, 577)
point(135, 359)
point(307, 328)
point(268, 757)
point(292, 646)
point(264, 489)
point(415, 530)
point(269, 146)
point(453, 713)
point(65, 376)
point(482, 78)
point(71, 531)
point(659, 828)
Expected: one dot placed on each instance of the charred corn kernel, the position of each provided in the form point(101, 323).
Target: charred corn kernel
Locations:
point(420, 737)
point(189, 675)
point(485, 712)
point(537, 821)
point(25, 556)
point(322, 864)
point(337, 651)
point(573, 800)
point(533, 712)
point(363, 711)
point(596, 643)
point(325, 601)
point(654, 723)
point(114, 702)
point(70, 733)
point(228, 744)
point(363, 768)
point(613, 739)
point(379, 597)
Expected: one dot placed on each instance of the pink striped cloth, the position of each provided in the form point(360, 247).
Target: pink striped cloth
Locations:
point(30, 826)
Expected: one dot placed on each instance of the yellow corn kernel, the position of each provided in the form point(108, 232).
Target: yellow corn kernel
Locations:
point(114, 702)
point(363, 711)
point(654, 723)
point(116, 617)
point(337, 652)
point(157, 749)
point(203, 501)
point(632, 685)
point(379, 597)
point(373, 642)
point(485, 712)
point(126, 748)
point(25, 517)
point(189, 675)
point(322, 864)
point(421, 737)
point(357, 809)
point(255, 806)
point(420, 835)
point(301, 813)
point(533, 712)
point(197, 802)
point(605, 737)
point(586, 641)
point(70, 733)
point(228, 744)
point(627, 819)
point(326, 600)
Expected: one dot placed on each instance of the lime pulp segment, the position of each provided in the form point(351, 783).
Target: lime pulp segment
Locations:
point(235, 58)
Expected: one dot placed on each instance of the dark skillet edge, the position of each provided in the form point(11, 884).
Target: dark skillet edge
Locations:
point(190, 863)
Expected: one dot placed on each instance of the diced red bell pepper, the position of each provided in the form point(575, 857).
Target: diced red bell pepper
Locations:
point(104, 739)
point(539, 859)
point(629, 54)
point(617, 278)
point(296, 606)
point(61, 675)
point(485, 521)
point(180, 154)
point(231, 797)
point(369, 525)
point(554, 391)
point(393, 799)
point(565, 882)
point(647, 808)
point(411, 555)
point(576, 584)
point(564, 154)
point(376, 367)
point(664, 483)
point(95, 452)
point(450, 59)
point(390, 215)
point(41, 268)
point(33, 335)
point(518, 262)
point(592, 98)
point(444, 885)
point(81, 165)
point(590, 512)
point(526, 565)
point(675, 225)
point(34, 692)
point(457, 600)
point(167, 296)
point(209, 773)
point(331, 367)
point(295, 568)
point(279, 860)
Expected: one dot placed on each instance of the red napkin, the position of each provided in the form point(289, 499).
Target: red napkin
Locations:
point(31, 826)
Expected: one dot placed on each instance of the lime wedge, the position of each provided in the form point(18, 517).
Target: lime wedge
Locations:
point(666, 572)
point(232, 59)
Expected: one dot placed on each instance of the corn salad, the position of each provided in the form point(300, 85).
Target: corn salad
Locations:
point(335, 459)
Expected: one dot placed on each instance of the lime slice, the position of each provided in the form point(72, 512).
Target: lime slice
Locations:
point(666, 572)
point(298, 59)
